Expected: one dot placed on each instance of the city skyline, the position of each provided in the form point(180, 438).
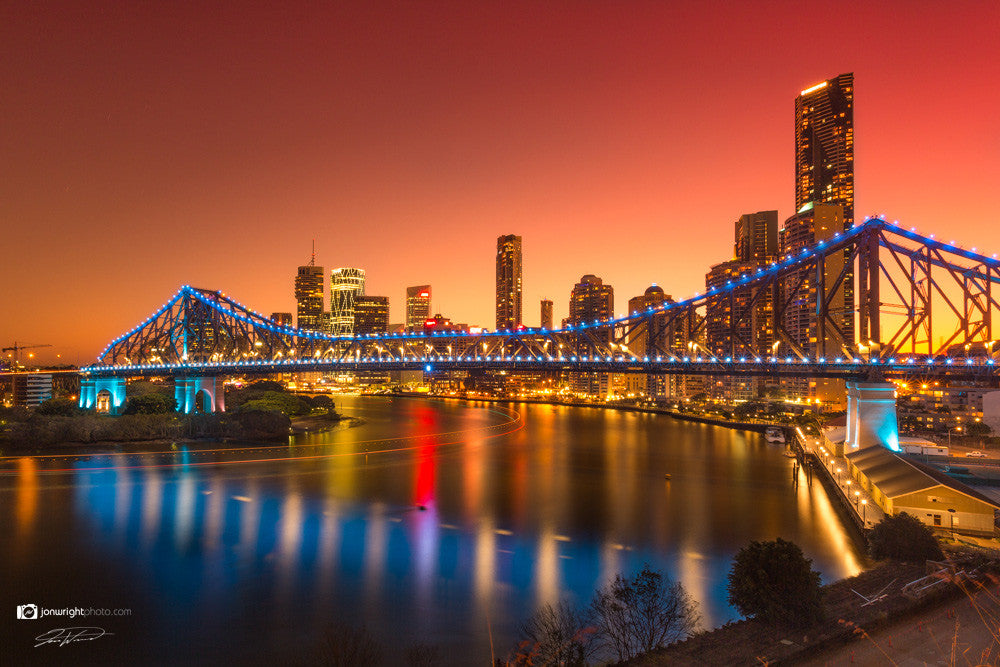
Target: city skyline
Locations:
point(603, 166)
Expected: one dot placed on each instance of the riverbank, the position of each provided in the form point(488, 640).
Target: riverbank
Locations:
point(86, 433)
point(875, 600)
point(757, 426)
point(322, 423)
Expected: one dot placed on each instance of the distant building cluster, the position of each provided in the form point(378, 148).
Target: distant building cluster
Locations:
point(738, 321)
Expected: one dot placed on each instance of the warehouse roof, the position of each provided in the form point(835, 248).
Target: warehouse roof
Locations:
point(895, 476)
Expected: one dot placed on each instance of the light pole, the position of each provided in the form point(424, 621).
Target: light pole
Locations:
point(857, 497)
point(957, 429)
point(952, 513)
point(864, 512)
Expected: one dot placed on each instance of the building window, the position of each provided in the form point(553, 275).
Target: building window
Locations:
point(937, 519)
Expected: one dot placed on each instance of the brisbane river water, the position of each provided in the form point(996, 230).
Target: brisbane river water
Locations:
point(433, 521)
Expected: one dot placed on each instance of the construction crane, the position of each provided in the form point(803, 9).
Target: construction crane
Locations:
point(16, 349)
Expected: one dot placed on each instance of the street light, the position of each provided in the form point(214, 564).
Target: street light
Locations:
point(857, 497)
point(864, 511)
point(957, 429)
point(952, 512)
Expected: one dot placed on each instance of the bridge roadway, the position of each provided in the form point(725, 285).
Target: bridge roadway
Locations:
point(874, 369)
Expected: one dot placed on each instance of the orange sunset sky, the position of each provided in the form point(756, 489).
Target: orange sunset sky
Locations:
point(150, 145)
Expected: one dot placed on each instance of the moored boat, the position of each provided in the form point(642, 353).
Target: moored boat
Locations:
point(774, 434)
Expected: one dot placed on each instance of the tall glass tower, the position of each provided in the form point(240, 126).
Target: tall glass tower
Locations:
point(509, 313)
point(824, 145)
point(309, 296)
point(824, 167)
point(346, 285)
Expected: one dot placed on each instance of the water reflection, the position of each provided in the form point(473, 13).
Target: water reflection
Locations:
point(450, 534)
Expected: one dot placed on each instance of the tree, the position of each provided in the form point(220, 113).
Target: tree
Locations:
point(775, 581)
point(150, 404)
point(978, 429)
point(321, 401)
point(646, 612)
point(62, 407)
point(555, 635)
point(903, 537)
point(276, 401)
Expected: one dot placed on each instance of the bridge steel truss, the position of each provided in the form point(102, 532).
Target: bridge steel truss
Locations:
point(911, 290)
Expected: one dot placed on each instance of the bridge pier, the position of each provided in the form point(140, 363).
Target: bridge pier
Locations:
point(871, 416)
point(199, 393)
point(103, 394)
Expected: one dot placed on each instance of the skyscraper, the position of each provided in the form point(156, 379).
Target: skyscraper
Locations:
point(282, 319)
point(546, 320)
point(814, 223)
point(641, 343)
point(309, 296)
point(824, 145)
point(346, 285)
point(824, 163)
point(418, 306)
point(371, 315)
point(592, 300)
point(509, 282)
point(757, 237)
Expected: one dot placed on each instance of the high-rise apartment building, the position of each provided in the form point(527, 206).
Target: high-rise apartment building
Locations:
point(309, 297)
point(509, 314)
point(824, 162)
point(591, 300)
point(418, 306)
point(757, 237)
point(824, 145)
point(371, 315)
point(648, 338)
point(546, 319)
point(346, 285)
point(740, 322)
point(814, 223)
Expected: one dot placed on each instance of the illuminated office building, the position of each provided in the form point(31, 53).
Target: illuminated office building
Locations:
point(418, 307)
point(509, 315)
point(592, 300)
point(346, 285)
point(371, 315)
point(546, 319)
point(309, 297)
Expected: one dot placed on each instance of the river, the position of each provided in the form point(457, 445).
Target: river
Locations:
point(433, 521)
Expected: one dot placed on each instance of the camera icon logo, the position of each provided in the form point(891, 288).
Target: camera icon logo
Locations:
point(28, 612)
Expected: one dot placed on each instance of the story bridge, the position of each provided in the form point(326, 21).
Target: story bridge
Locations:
point(919, 307)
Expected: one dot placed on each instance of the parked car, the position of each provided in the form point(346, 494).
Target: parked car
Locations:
point(976, 454)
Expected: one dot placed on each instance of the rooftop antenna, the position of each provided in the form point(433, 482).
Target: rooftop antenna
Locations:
point(312, 260)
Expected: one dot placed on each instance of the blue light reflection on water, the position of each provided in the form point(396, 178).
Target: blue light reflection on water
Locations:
point(278, 550)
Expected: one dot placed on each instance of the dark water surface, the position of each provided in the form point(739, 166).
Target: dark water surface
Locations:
point(236, 554)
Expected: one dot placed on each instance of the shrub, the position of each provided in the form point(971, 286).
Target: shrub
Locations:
point(903, 537)
point(62, 407)
point(150, 404)
point(775, 581)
